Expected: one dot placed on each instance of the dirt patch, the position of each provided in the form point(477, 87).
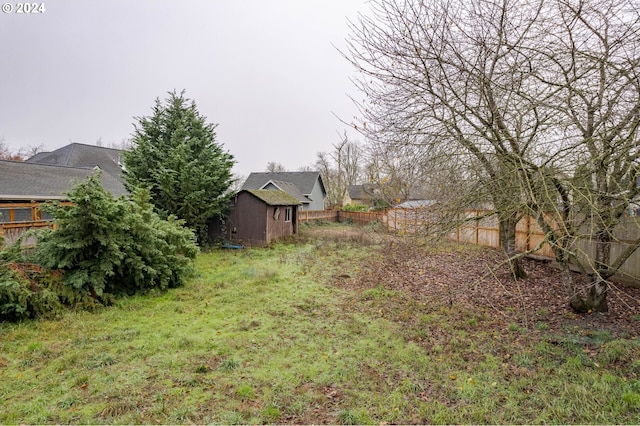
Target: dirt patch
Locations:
point(470, 277)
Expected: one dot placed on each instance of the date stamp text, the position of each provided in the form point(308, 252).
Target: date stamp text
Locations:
point(23, 8)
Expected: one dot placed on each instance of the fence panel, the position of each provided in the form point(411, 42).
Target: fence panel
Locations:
point(361, 218)
point(315, 215)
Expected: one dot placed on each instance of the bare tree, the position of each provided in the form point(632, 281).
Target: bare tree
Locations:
point(398, 169)
point(594, 67)
point(237, 182)
point(340, 168)
point(6, 154)
point(273, 167)
point(542, 99)
point(30, 150)
point(451, 72)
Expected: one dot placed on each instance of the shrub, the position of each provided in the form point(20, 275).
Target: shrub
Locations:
point(25, 291)
point(107, 245)
point(14, 294)
point(355, 208)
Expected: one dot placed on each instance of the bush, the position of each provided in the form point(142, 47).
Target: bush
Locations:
point(25, 292)
point(107, 245)
point(14, 294)
point(355, 208)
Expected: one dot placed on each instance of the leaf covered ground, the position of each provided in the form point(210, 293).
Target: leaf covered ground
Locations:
point(472, 278)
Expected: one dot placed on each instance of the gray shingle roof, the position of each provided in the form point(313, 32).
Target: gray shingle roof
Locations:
point(29, 181)
point(304, 181)
point(362, 192)
point(83, 156)
point(274, 197)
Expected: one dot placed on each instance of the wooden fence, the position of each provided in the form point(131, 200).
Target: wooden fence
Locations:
point(479, 229)
point(483, 230)
point(17, 218)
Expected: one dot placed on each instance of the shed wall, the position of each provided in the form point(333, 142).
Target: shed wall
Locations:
point(247, 221)
point(277, 227)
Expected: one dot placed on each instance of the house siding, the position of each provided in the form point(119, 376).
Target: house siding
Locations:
point(317, 198)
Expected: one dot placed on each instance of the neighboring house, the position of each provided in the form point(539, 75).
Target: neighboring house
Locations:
point(21, 181)
point(374, 195)
point(258, 217)
point(79, 155)
point(24, 186)
point(366, 194)
point(306, 187)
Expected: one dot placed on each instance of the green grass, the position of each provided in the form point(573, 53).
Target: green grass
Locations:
point(263, 336)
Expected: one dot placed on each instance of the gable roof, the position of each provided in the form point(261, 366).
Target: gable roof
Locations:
point(28, 181)
point(273, 198)
point(83, 156)
point(304, 181)
point(289, 188)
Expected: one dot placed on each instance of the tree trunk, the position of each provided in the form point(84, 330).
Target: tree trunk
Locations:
point(576, 302)
point(508, 244)
point(597, 296)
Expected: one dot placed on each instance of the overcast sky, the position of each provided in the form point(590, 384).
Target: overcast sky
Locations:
point(265, 71)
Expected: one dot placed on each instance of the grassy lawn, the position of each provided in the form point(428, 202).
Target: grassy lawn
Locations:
point(270, 336)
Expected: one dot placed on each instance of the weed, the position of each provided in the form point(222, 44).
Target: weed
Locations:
point(271, 414)
point(202, 369)
point(516, 328)
point(542, 326)
point(228, 364)
point(245, 391)
point(352, 417)
point(631, 400)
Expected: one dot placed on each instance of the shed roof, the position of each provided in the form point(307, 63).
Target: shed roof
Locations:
point(274, 197)
point(28, 181)
point(289, 188)
point(305, 181)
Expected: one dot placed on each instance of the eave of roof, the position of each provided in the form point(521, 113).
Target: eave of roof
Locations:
point(273, 197)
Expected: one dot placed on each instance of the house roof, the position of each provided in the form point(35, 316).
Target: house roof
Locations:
point(274, 197)
point(83, 156)
point(28, 181)
point(362, 192)
point(416, 204)
point(305, 181)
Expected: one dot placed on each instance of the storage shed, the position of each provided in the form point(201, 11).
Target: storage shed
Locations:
point(260, 216)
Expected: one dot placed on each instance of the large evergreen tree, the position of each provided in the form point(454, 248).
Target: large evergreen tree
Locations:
point(175, 155)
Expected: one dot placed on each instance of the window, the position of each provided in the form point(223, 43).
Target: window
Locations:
point(287, 214)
